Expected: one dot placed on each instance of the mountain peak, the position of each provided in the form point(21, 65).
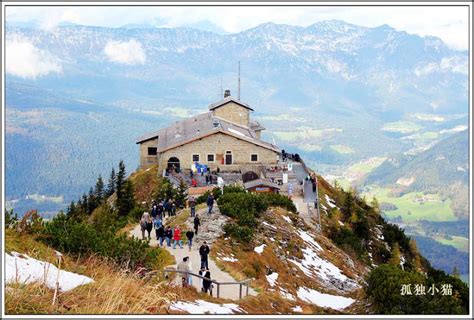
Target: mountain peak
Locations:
point(334, 25)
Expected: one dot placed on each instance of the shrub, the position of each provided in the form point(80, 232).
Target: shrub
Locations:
point(384, 290)
point(234, 189)
point(203, 197)
point(393, 233)
point(79, 238)
point(11, 219)
point(345, 236)
point(278, 200)
point(243, 234)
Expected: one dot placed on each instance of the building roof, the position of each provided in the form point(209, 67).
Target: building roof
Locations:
point(227, 100)
point(261, 182)
point(200, 126)
point(256, 126)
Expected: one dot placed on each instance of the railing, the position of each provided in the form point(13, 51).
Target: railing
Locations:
point(217, 283)
point(174, 180)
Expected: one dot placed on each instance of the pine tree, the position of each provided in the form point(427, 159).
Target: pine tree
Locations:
point(85, 204)
point(111, 184)
point(127, 202)
point(456, 272)
point(395, 256)
point(119, 185)
point(99, 190)
point(181, 194)
point(416, 256)
point(91, 201)
point(348, 207)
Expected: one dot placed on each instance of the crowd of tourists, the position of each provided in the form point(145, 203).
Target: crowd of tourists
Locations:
point(176, 237)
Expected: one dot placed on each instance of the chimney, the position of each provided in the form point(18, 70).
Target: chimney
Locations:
point(226, 93)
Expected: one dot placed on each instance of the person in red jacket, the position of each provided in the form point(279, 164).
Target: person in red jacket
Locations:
point(177, 238)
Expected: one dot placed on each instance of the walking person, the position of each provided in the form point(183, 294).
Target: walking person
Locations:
point(154, 211)
point(190, 269)
point(177, 238)
point(192, 205)
point(149, 227)
point(204, 253)
point(190, 236)
point(201, 273)
point(183, 268)
point(144, 224)
point(160, 234)
point(159, 210)
point(197, 223)
point(210, 203)
point(173, 208)
point(166, 205)
point(207, 283)
point(168, 235)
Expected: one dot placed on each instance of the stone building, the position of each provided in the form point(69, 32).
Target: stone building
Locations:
point(224, 138)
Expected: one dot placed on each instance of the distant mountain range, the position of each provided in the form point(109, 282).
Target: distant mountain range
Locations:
point(327, 91)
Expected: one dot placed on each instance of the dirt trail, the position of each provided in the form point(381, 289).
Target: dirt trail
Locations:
point(211, 228)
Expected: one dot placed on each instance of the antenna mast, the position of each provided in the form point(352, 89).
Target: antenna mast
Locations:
point(238, 96)
point(221, 88)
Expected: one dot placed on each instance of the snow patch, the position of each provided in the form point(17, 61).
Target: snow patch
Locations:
point(312, 265)
point(204, 307)
point(323, 299)
point(259, 249)
point(297, 309)
point(330, 201)
point(287, 219)
point(24, 269)
point(272, 278)
point(285, 294)
point(229, 259)
point(309, 240)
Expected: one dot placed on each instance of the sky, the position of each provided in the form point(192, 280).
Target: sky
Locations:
point(448, 23)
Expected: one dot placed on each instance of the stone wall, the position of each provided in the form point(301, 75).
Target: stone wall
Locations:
point(234, 113)
point(145, 159)
point(217, 144)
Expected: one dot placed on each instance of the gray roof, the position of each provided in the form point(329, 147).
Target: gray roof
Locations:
point(261, 182)
point(202, 125)
point(255, 125)
point(227, 100)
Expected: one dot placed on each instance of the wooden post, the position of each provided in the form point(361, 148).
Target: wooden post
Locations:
point(240, 290)
point(58, 255)
point(247, 289)
point(218, 289)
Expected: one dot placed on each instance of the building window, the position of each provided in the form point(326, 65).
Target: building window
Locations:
point(195, 157)
point(152, 151)
point(210, 158)
point(254, 157)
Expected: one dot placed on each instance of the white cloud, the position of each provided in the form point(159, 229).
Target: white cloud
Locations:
point(126, 52)
point(450, 23)
point(25, 60)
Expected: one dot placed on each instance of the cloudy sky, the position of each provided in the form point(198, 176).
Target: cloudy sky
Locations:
point(448, 23)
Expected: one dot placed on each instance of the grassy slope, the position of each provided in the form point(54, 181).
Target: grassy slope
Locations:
point(113, 290)
point(433, 210)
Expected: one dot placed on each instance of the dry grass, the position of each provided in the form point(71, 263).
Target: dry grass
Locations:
point(145, 182)
point(112, 292)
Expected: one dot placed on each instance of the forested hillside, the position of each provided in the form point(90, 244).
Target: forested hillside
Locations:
point(442, 169)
